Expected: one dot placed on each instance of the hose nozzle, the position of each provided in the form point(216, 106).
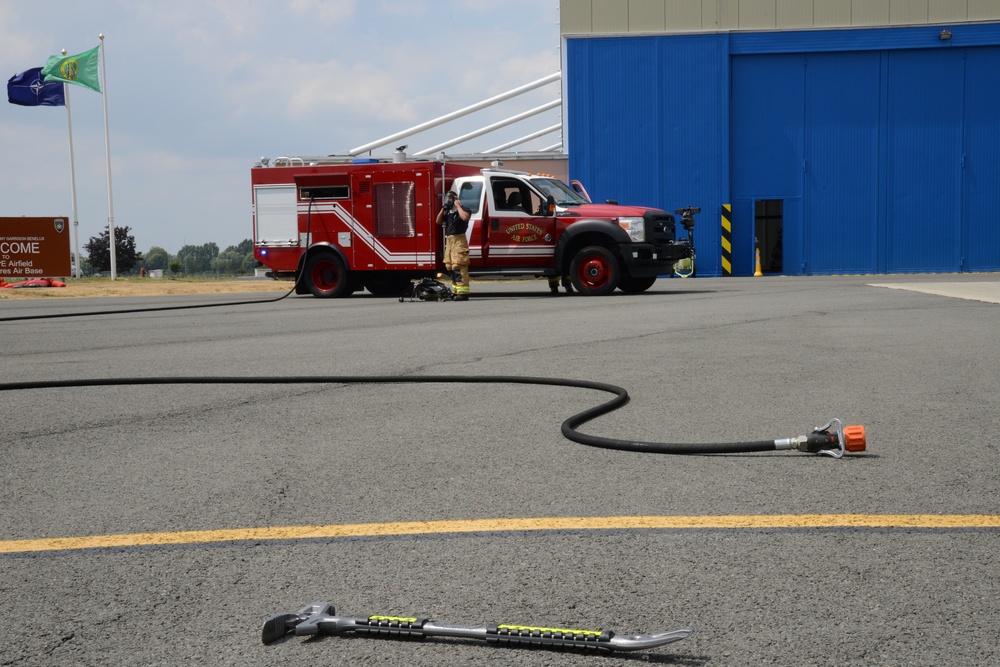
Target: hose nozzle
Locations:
point(832, 439)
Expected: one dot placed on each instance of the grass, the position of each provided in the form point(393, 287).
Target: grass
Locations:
point(136, 286)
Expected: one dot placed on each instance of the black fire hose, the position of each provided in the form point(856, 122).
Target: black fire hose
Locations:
point(820, 441)
point(832, 439)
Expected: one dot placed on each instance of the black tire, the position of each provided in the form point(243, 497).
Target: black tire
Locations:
point(636, 285)
point(595, 271)
point(325, 276)
point(387, 285)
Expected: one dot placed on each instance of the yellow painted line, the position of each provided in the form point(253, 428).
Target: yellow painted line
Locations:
point(924, 521)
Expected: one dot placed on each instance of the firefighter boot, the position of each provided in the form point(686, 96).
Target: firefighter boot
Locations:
point(460, 284)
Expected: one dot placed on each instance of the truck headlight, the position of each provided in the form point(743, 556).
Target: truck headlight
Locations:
point(634, 227)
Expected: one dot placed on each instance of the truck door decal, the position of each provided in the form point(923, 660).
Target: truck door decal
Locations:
point(519, 235)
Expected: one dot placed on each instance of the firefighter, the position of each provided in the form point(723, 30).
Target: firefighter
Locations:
point(455, 220)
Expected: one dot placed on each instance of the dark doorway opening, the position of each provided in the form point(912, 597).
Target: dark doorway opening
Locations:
point(767, 229)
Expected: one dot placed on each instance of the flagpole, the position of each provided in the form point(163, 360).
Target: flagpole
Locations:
point(107, 151)
point(72, 182)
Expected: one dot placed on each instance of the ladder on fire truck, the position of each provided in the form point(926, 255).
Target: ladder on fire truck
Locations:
point(447, 118)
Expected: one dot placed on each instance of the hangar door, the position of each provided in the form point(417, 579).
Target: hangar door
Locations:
point(981, 162)
point(881, 160)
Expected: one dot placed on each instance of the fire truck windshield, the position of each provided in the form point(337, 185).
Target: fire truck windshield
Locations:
point(562, 193)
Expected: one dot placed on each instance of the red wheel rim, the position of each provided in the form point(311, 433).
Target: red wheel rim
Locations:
point(594, 271)
point(325, 275)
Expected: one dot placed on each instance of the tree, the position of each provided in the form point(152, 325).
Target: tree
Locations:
point(250, 263)
point(236, 259)
point(99, 251)
point(244, 247)
point(157, 258)
point(228, 262)
point(197, 259)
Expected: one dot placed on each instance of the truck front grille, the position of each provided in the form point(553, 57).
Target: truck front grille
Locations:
point(660, 227)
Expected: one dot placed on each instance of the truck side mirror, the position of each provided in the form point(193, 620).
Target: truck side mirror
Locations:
point(550, 206)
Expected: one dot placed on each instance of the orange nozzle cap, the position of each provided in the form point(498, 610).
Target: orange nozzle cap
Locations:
point(854, 438)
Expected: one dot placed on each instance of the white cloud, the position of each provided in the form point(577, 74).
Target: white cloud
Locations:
point(335, 90)
point(12, 43)
point(235, 17)
point(413, 9)
point(22, 44)
point(324, 11)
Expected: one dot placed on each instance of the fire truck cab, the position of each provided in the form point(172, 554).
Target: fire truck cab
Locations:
point(338, 228)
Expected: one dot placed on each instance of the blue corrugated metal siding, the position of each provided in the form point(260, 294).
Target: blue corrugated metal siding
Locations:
point(647, 125)
point(766, 124)
point(924, 160)
point(767, 135)
point(887, 160)
point(625, 130)
point(981, 162)
point(840, 164)
point(805, 130)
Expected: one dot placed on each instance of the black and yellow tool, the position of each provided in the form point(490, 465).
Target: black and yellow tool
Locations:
point(319, 618)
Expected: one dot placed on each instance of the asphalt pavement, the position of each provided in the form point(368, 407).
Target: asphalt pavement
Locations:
point(160, 524)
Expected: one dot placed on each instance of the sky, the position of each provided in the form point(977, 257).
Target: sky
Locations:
point(198, 90)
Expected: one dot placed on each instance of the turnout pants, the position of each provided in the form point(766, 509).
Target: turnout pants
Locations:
point(456, 260)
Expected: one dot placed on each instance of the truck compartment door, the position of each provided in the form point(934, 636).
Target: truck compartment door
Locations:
point(394, 221)
point(275, 221)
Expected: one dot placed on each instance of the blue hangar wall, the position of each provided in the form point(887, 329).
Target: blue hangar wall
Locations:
point(883, 144)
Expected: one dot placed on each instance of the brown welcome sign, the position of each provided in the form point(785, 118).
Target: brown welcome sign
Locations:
point(34, 247)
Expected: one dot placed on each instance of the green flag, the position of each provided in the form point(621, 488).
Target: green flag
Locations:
point(80, 69)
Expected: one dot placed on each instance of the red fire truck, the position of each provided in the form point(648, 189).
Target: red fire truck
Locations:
point(339, 227)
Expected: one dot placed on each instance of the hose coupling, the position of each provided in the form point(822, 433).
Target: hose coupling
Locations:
point(832, 439)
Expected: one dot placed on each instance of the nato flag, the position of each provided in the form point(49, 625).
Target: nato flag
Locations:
point(30, 90)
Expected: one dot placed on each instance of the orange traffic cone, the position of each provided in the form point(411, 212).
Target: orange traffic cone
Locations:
point(757, 273)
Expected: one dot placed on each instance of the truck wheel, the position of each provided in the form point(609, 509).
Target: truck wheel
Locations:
point(595, 271)
point(634, 285)
point(326, 277)
point(387, 285)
